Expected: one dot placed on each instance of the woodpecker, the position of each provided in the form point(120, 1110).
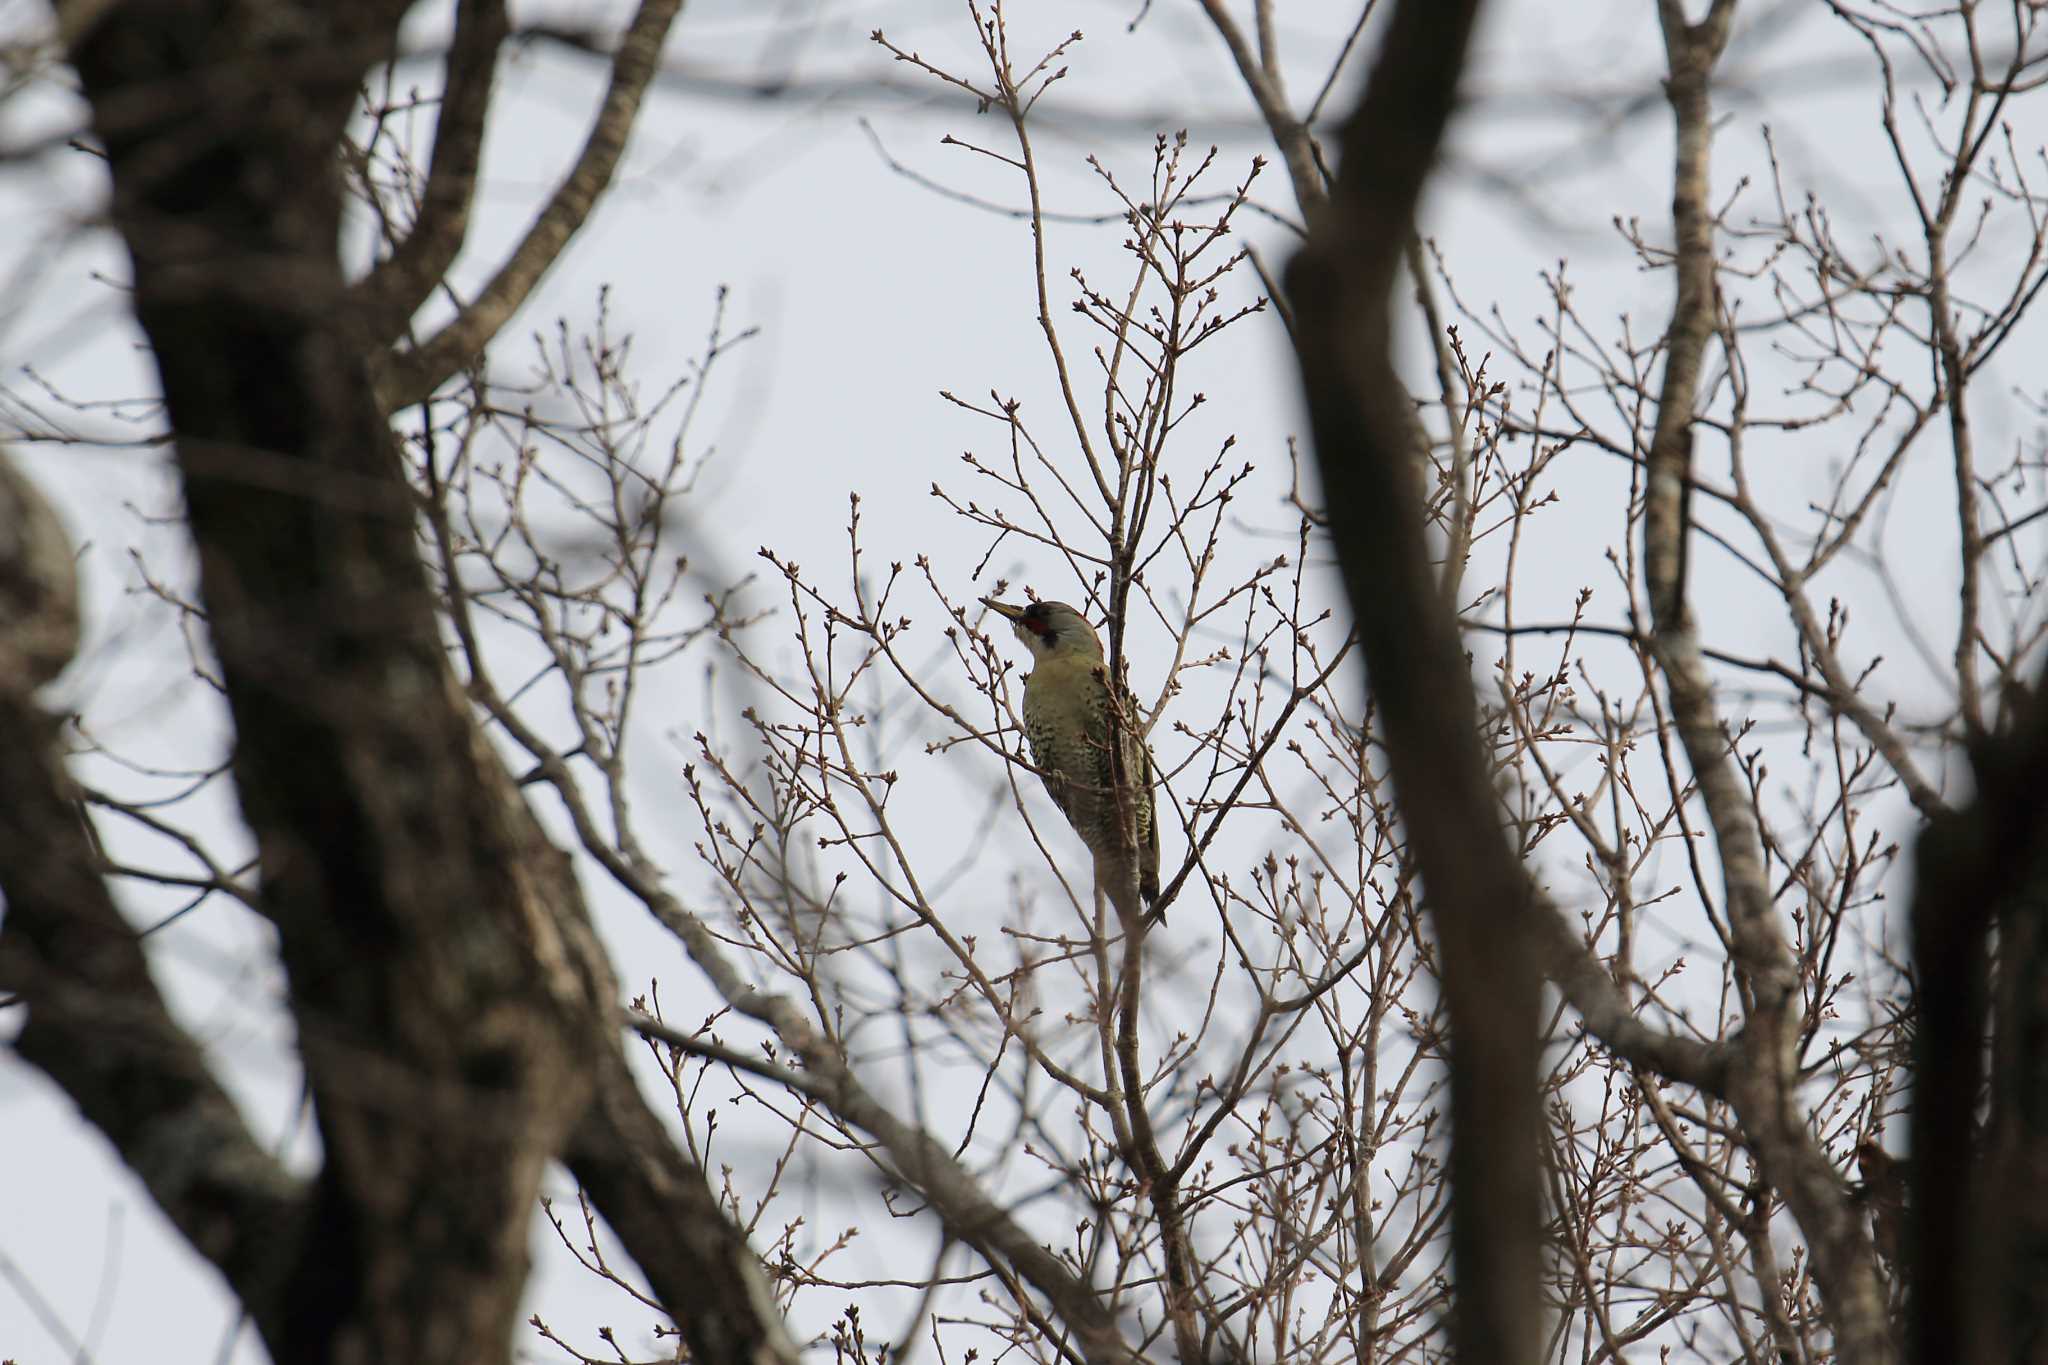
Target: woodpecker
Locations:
point(1067, 714)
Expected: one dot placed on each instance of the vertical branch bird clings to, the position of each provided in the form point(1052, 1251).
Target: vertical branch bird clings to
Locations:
point(1090, 750)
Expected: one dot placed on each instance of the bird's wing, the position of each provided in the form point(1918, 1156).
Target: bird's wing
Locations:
point(1148, 859)
point(1138, 762)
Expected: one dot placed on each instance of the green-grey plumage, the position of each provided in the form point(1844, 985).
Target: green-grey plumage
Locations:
point(1069, 723)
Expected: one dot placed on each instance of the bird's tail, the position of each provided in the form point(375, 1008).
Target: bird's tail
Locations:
point(1130, 894)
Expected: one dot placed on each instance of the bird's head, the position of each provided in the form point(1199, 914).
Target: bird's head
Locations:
point(1049, 628)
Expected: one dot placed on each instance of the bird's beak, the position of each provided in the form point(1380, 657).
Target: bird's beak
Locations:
point(1003, 609)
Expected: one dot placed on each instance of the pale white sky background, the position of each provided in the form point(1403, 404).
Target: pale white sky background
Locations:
point(872, 293)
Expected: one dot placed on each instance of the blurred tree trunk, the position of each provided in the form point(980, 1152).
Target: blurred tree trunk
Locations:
point(1976, 1221)
point(456, 1015)
point(443, 985)
point(1368, 449)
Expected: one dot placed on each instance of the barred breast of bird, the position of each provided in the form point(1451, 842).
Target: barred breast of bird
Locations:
point(1066, 719)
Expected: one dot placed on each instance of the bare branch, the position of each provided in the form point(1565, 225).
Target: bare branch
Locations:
point(1763, 1086)
point(401, 282)
point(658, 1203)
point(410, 376)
